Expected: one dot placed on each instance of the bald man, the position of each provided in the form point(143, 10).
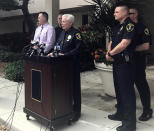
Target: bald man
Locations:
point(120, 52)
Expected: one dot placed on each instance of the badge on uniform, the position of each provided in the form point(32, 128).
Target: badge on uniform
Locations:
point(130, 27)
point(146, 31)
point(69, 37)
point(78, 36)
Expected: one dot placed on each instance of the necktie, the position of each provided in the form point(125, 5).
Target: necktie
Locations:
point(40, 32)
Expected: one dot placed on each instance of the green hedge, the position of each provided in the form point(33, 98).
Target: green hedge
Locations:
point(6, 56)
point(15, 71)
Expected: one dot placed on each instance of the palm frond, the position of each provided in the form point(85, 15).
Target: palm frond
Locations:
point(103, 19)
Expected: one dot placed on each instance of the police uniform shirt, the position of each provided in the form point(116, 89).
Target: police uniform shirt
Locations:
point(70, 41)
point(126, 30)
point(143, 34)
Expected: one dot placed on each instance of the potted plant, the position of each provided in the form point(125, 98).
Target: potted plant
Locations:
point(97, 37)
point(105, 71)
point(91, 40)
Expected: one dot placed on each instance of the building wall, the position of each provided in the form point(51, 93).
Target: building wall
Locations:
point(10, 21)
point(78, 18)
point(73, 3)
point(40, 5)
point(8, 26)
point(15, 25)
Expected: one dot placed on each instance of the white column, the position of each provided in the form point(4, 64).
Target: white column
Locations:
point(52, 8)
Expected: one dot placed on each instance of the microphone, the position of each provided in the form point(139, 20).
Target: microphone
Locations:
point(32, 50)
point(57, 49)
point(40, 49)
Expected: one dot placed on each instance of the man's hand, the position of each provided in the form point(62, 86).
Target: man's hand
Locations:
point(61, 54)
point(108, 58)
point(32, 42)
point(51, 55)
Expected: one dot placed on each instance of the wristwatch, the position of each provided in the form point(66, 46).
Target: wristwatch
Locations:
point(108, 53)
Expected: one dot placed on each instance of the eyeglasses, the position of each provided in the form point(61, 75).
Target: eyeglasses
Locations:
point(131, 13)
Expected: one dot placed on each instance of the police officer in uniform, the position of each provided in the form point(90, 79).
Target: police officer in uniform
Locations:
point(143, 44)
point(70, 41)
point(120, 52)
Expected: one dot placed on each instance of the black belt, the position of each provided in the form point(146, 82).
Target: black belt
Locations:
point(123, 58)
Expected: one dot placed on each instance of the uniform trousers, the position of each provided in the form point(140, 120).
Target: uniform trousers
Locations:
point(76, 85)
point(141, 82)
point(124, 75)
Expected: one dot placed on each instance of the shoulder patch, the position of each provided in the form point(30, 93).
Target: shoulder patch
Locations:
point(78, 36)
point(146, 31)
point(130, 27)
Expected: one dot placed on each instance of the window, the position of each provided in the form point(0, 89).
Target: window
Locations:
point(84, 19)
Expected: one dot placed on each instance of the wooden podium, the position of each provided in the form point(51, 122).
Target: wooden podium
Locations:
point(48, 89)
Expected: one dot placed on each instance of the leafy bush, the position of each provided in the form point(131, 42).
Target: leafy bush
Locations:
point(102, 20)
point(95, 33)
point(6, 56)
point(15, 71)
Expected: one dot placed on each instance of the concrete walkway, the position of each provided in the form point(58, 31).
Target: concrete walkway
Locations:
point(94, 116)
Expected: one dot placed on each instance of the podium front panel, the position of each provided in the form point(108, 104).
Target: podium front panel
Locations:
point(42, 106)
point(48, 88)
point(36, 86)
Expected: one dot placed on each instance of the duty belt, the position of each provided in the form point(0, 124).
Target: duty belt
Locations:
point(123, 57)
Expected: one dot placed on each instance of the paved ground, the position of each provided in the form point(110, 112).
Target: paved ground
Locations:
point(93, 89)
point(95, 108)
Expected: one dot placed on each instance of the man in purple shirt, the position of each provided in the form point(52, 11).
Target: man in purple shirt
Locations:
point(45, 33)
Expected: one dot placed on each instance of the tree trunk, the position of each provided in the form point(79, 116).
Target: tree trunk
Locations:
point(27, 18)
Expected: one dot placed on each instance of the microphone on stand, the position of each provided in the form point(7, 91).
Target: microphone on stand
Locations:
point(57, 50)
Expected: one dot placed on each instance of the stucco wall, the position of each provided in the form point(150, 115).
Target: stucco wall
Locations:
point(14, 25)
point(39, 5)
point(73, 3)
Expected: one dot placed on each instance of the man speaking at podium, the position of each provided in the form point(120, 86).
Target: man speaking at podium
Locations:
point(45, 33)
point(69, 43)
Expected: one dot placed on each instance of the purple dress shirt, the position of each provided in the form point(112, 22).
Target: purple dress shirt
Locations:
point(45, 34)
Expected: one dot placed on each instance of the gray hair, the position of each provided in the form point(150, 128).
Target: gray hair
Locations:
point(69, 17)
